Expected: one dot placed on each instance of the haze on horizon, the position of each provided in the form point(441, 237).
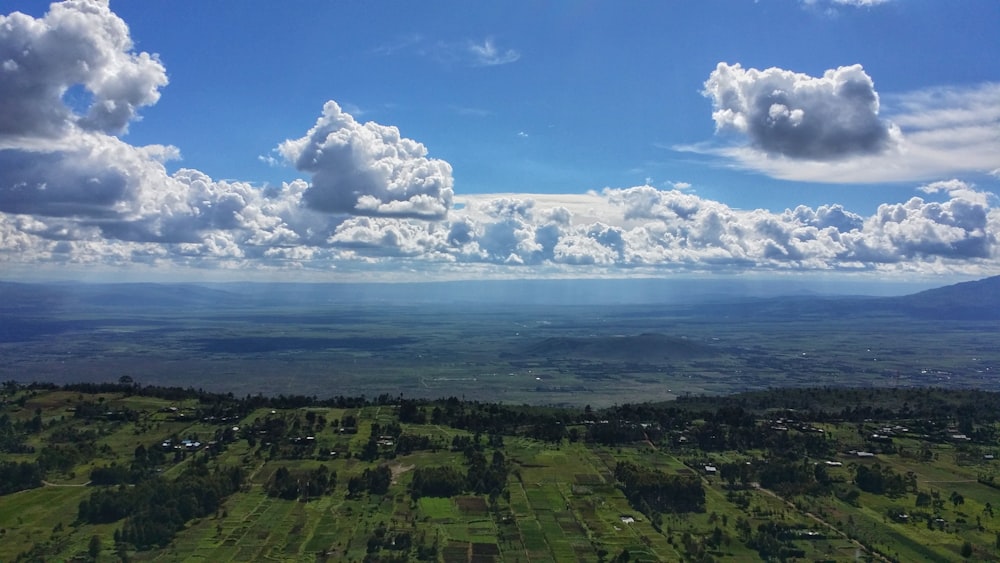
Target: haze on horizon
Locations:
point(813, 139)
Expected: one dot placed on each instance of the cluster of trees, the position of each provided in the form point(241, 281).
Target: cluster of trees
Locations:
point(772, 541)
point(653, 491)
point(613, 432)
point(287, 485)
point(486, 477)
point(373, 481)
point(410, 412)
point(89, 410)
point(975, 408)
point(64, 457)
point(698, 548)
point(17, 476)
point(113, 474)
point(817, 404)
point(144, 461)
point(882, 480)
point(481, 477)
point(437, 481)
point(794, 477)
point(156, 508)
point(409, 443)
point(726, 428)
point(399, 544)
point(13, 433)
point(493, 418)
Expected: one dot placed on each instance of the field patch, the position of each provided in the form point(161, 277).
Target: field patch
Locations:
point(456, 552)
point(439, 509)
point(588, 479)
point(472, 505)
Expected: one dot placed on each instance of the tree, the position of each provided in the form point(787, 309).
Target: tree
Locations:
point(94, 547)
point(966, 551)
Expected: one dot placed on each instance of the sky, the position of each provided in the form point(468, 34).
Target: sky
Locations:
point(402, 141)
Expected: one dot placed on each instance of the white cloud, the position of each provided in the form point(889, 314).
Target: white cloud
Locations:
point(466, 53)
point(830, 5)
point(487, 54)
point(81, 44)
point(860, 3)
point(963, 226)
point(797, 116)
point(368, 169)
point(925, 134)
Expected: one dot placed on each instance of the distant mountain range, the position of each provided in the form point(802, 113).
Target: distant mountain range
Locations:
point(975, 300)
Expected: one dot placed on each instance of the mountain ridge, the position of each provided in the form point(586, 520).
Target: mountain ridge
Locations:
point(972, 300)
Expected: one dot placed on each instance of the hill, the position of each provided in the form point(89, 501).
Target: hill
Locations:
point(974, 300)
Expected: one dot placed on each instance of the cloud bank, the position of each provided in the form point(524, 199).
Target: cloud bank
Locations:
point(375, 203)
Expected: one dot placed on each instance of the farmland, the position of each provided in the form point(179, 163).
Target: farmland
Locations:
point(530, 483)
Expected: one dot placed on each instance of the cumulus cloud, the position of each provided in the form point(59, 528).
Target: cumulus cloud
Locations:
point(77, 43)
point(799, 116)
point(369, 169)
point(59, 159)
point(913, 136)
point(963, 226)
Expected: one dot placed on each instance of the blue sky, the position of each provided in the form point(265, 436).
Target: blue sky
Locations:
point(521, 139)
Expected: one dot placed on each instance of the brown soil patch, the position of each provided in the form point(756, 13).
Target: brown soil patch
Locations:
point(472, 505)
point(398, 469)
